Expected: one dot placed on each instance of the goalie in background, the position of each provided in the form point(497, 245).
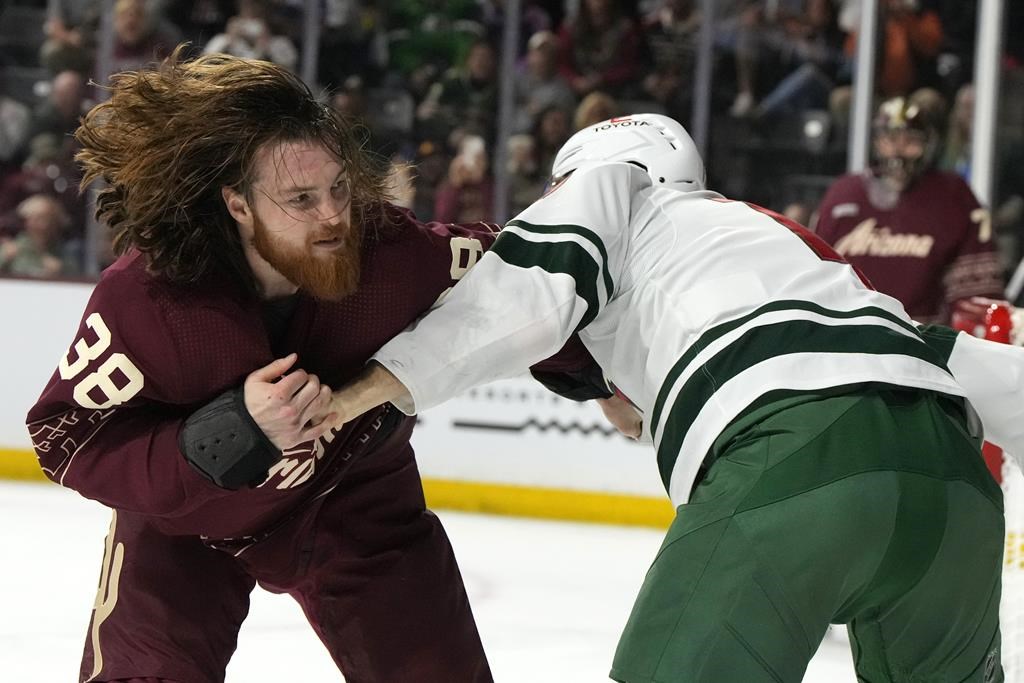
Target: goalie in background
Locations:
point(917, 232)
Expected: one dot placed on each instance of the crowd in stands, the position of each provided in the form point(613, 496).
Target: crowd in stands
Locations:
point(423, 77)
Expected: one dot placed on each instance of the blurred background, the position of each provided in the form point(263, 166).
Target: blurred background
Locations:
point(470, 99)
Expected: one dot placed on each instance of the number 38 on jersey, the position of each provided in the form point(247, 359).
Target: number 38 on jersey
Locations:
point(113, 380)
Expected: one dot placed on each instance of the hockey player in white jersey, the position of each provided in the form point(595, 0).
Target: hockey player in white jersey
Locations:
point(815, 445)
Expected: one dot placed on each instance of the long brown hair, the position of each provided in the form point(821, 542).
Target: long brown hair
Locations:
point(168, 140)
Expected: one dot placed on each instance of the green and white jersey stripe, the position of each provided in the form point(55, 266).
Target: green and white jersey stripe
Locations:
point(569, 249)
point(695, 307)
point(785, 344)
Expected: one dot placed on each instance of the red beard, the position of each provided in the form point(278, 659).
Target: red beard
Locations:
point(329, 276)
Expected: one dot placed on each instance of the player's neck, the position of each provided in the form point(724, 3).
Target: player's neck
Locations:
point(272, 284)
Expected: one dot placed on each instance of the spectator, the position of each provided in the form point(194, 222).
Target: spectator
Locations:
point(47, 170)
point(541, 86)
point(916, 232)
point(533, 18)
point(671, 34)
point(798, 212)
point(38, 249)
point(70, 36)
point(353, 42)
point(911, 38)
point(526, 177)
point(467, 194)
point(199, 20)
point(58, 114)
point(594, 108)
point(248, 35)
point(789, 49)
point(427, 38)
point(431, 166)
point(810, 53)
point(601, 49)
point(352, 101)
point(550, 133)
point(15, 124)
point(466, 98)
point(140, 38)
point(736, 33)
point(956, 153)
point(954, 64)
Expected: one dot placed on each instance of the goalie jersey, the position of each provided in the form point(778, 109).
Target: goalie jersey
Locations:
point(699, 310)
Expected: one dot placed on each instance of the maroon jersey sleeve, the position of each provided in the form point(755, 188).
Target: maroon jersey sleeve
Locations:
point(459, 245)
point(449, 251)
point(573, 357)
point(107, 422)
point(974, 270)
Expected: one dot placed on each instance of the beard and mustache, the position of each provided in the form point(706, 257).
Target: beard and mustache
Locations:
point(331, 275)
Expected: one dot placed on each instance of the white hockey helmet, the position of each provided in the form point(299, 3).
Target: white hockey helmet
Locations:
point(659, 144)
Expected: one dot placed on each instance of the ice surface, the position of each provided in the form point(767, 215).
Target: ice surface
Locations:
point(549, 597)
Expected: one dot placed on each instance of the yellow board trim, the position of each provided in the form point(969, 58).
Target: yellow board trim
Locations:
point(471, 496)
point(20, 464)
point(530, 501)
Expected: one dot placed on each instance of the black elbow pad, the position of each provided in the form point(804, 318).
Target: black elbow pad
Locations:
point(581, 385)
point(224, 443)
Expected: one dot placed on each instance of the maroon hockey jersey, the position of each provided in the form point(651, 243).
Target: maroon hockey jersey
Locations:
point(148, 353)
point(933, 248)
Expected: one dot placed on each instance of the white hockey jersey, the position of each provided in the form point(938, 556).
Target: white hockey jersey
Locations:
point(992, 378)
point(694, 306)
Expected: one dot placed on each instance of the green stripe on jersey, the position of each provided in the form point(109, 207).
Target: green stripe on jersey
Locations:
point(715, 333)
point(771, 341)
point(579, 231)
point(940, 338)
point(554, 257)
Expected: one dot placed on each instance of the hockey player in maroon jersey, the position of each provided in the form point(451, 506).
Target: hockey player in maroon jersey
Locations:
point(916, 232)
point(260, 266)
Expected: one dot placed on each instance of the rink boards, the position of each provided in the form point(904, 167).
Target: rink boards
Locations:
point(510, 447)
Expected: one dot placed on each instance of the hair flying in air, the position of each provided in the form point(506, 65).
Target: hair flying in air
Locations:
point(167, 140)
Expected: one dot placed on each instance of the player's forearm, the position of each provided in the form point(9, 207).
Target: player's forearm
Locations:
point(497, 322)
point(374, 386)
point(446, 354)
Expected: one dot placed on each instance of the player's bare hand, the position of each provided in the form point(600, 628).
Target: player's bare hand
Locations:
point(290, 407)
point(622, 415)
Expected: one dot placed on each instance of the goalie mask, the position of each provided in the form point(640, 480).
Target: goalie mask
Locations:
point(656, 143)
point(906, 142)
